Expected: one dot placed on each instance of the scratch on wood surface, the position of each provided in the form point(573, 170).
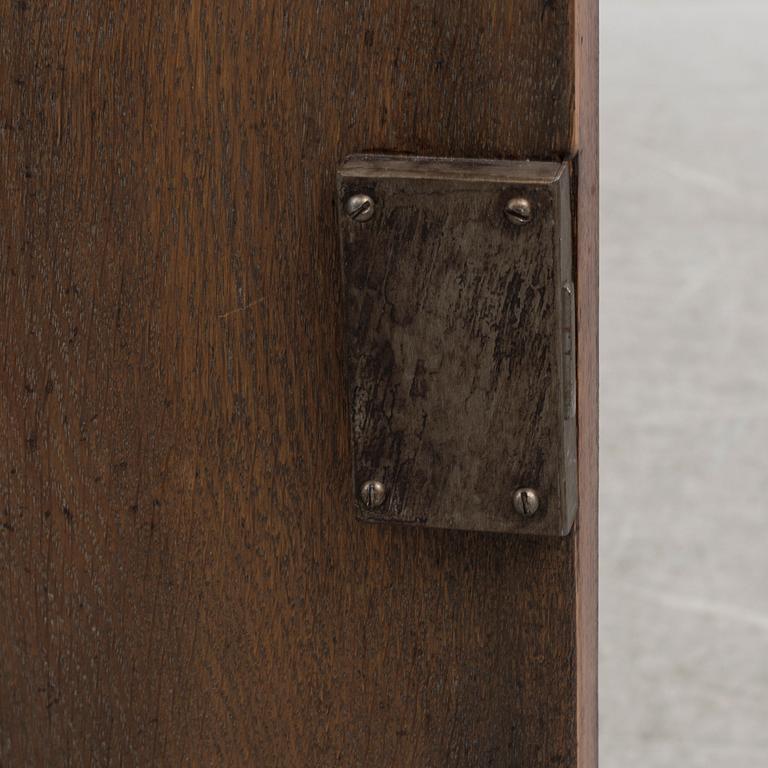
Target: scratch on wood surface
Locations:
point(241, 309)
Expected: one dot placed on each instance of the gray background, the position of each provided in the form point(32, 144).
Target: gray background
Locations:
point(684, 390)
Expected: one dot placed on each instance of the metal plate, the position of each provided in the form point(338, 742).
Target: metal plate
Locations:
point(460, 342)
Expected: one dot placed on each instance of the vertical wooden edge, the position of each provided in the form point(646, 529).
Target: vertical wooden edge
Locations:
point(585, 148)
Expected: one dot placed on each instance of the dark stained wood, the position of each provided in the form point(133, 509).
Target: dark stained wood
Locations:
point(182, 582)
point(455, 345)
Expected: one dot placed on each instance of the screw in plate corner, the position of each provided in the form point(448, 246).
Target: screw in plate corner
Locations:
point(526, 502)
point(372, 494)
point(519, 211)
point(360, 207)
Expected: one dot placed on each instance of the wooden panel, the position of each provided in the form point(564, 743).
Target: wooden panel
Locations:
point(182, 582)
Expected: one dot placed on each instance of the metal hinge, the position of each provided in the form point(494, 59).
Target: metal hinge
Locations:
point(460, 342)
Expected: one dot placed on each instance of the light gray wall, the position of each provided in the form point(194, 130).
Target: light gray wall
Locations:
point(684, 391)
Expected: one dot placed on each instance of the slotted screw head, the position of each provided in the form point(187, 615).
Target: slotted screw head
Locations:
point(526, 502)
point(359, 207)
point(372, 494)
point(519, 210)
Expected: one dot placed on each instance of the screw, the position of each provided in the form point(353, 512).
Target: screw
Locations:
point(359, 207)
point(373, 494)
point(526, 502)
point(519, 210)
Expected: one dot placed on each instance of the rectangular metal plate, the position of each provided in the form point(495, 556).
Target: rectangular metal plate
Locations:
point(460, 341)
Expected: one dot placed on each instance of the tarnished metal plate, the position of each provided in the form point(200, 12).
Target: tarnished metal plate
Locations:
point(460, 342)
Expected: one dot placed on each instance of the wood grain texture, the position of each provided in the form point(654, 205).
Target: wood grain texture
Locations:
point(455, 348)
point(586, 208)
point(182, 583)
